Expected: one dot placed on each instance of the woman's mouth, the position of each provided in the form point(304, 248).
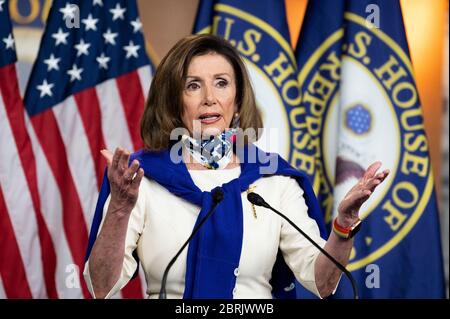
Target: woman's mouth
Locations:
point(209, 118)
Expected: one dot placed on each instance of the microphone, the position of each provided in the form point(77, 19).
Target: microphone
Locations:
point(257, 200)
point(217, 197)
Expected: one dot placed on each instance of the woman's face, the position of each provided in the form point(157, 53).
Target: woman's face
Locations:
point(209, 95)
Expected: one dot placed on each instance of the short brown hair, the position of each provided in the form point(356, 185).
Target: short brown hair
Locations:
point(164, 105)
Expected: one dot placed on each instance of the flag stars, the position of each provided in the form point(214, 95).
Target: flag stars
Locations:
point(60, 37)
point(98, 2)
point(9, 42)
point(118, 12)
point(110, 37)
point(68, 11)
point(75, 73)
point(131, 49)
point(1, 5)
point(82, 48)
point(45, 88)
point(136, 24)
point(90, 23)
point(52, 63)
point(103, 61)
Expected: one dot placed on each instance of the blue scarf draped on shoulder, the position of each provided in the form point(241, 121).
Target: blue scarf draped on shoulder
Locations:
point(214, 253)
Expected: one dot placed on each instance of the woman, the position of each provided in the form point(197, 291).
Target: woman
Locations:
point(150, 202)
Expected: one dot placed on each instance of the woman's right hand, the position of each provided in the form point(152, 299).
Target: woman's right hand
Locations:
point(124, 180)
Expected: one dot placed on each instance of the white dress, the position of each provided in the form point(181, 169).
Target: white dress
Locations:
point(161, 222)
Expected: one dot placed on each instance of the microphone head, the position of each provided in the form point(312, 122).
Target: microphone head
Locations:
point(217, 195)
point(256, 199)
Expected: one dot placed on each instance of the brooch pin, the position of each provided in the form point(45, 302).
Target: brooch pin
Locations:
point(250, 190)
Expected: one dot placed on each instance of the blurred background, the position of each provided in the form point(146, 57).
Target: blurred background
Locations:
point(166, 21)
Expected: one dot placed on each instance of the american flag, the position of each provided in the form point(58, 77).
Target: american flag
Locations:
point(86, 92)
point(21, 219)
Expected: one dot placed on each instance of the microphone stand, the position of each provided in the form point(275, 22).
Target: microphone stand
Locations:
point(257, 200)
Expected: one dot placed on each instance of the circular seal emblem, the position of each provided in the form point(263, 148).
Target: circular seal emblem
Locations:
point(361, 105)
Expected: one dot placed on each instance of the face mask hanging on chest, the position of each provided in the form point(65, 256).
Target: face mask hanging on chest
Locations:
point(214, 153)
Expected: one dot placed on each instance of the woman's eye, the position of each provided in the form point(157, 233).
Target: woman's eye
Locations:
point(222, 83)
point(193, 86)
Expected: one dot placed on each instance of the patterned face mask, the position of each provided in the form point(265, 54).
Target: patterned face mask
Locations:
point(214, 153)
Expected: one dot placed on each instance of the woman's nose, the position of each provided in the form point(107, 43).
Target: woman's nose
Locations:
point(209, 98)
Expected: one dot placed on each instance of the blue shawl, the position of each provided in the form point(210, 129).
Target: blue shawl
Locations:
point(214, 252)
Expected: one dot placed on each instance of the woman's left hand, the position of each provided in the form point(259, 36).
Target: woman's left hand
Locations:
point(348, 210)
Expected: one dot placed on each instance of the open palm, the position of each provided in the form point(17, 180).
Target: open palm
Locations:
point(348, 209)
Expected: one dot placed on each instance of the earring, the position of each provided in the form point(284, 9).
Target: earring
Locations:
point(235, 123)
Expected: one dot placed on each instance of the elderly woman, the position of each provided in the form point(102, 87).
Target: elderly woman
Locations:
point(151, 200)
